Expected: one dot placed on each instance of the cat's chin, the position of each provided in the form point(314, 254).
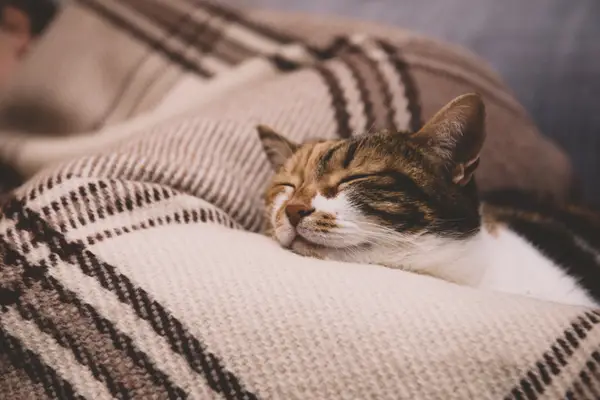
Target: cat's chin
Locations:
point(305, 247)
point(331, 240)
point(309, 243)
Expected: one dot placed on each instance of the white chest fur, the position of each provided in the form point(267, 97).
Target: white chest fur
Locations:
point(502, 261)
point(513, 265)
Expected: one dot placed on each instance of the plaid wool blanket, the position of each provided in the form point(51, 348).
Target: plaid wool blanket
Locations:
point(132, 264)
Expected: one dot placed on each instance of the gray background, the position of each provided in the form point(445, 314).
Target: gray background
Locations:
point(548, 52)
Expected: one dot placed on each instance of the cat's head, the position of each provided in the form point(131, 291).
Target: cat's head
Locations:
point(379, 191)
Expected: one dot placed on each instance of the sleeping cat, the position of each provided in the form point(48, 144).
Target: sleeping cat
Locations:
point(409, 201)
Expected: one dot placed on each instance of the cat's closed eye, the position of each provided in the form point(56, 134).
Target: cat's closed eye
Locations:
point(285, 184)
point(353, 179)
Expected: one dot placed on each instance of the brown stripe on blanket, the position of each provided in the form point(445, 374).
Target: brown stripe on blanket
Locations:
point(411, 92)
point(338, 46)
point(201, 34)
point(354, 104)
point(338, 101)
point(376, 91)
point(48, 183)
point(554, 361)
point(578, 392)
point(40, 374)
point(110, 355)
point(370, 85)
point(105, 372)
point(213, 38)
point(253, 27)
point(364, 92)
point(230, 51)
point(204, 32)
point(283, 63)
point(91, 202)
point(181, 217)
point(235, 16)
point(195, 353)
point(387, 119)
point(199, 31)
point(21, 386)
point(155, 44)
point(10, 272)
point(179, 23)
point(587, 383)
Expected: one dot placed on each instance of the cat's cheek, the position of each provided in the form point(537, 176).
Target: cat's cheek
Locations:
point(277, 205)
point(277, 211)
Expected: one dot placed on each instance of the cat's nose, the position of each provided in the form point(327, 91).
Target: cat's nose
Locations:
point(296, 211)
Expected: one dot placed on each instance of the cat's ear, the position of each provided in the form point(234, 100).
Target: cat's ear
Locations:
point(455, 135)
point(277, 147)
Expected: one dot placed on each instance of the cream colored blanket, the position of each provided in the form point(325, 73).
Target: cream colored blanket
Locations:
point(131, 266)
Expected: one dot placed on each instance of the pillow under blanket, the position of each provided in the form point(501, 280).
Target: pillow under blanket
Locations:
point(136, 272)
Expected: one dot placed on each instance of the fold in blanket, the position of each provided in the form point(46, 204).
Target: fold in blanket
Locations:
point(130, 269)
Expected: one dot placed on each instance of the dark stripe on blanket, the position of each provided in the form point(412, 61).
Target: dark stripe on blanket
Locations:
point(338, 101)
point(24, 359)
point(103, 351)
point(233, 16)
point(87, 203)
point(123, 24)
point(172, 31)
point(383, 89)
point(47, 184)
point(164, 324)
point(100, 371)
point(587, 383)
point(203, 33)
point(182, 217)
point(411, 93)
point(100, 341)
point(555, 360)
point(368, 107)
point(193, 35)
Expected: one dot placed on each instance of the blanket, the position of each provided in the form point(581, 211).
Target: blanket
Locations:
point(132, 264)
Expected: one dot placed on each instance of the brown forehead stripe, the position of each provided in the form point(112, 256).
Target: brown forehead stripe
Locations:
point(308, 158)
point(328, 162)
point(327, 155)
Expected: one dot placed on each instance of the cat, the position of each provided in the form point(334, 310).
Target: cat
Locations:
point(409, 201)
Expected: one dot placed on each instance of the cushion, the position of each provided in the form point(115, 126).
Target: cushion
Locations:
point(136, 270)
